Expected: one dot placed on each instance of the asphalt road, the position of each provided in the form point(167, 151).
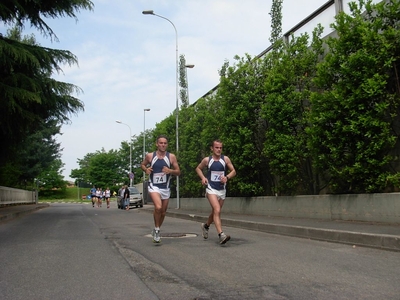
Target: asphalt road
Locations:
point(74, 251)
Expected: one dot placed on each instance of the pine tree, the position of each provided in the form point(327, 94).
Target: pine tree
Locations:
point(29, 95)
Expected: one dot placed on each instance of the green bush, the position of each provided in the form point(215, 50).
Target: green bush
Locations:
point(70, 194)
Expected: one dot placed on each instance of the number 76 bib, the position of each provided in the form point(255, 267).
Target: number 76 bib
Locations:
point(216, 175)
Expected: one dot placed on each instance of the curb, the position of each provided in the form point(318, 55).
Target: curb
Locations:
point(16, 214)
point(378, 241)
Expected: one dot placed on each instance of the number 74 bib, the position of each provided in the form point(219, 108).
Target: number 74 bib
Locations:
point(159, 178)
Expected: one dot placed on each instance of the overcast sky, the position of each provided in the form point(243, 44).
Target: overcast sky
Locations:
point(127, 59)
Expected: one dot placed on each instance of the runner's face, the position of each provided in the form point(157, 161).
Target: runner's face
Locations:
point(162, 144)
point(217, 148)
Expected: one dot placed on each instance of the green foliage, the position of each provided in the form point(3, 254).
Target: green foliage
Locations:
point(69, 194)
point(240, 125)
point(82, 174)
point(37, 153)
point(105, 168)
point(20, 12)
point(276, 21)
point(287, 89)
point(40, 152)
point(298, 121)
point(200, 127)
point(102, 169)
point(111, 168)
point(30, 98)
point(166, 127)
point(25, 83)
point(183, 91)
point(355, 116)
point(51, 177)
point(137, 152)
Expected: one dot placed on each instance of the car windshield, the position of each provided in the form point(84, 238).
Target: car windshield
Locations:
point(133, 190)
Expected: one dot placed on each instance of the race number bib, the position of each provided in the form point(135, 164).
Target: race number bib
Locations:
point(159, 178)
point(216, 175)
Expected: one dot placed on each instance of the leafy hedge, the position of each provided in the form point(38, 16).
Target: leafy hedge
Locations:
point(312, 116)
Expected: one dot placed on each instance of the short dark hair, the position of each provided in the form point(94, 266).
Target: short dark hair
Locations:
point(215, 141)
point(162, 136)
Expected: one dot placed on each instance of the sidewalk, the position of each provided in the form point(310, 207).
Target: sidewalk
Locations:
point(13, 211)
point(374, 235)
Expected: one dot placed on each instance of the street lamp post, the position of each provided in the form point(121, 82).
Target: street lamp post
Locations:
point(151, 12)
point(130, 151)
point(144, 138)
point(187, 80)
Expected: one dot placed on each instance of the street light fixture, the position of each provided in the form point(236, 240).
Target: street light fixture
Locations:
point(151, 12)
point(130, 152)
point(187, 80)
point(144, 138)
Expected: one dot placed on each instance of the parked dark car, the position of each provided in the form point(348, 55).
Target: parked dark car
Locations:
point(135, 198)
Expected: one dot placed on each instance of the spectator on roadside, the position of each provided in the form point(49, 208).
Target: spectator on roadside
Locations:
point(121, 192)
point(126, 198)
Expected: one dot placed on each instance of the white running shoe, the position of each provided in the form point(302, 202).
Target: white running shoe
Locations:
point(223, 238)
point(204, 231)
point(156, 236)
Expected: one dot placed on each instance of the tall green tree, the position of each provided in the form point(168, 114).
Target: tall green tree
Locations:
point(183, 86)
point(82, 174)
point(51, 177)
point(201, 127)
point(276, 21)
point(286, 119)
point(355, 117)
point(37, 152)
point(40, 151)
point(137, 152)
point(105, 170)
point(288, 87)
point(30, 97)
point(35, 147)
point(102, 169)
point(241, 126)
point(21, 12)
point(112, 168)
